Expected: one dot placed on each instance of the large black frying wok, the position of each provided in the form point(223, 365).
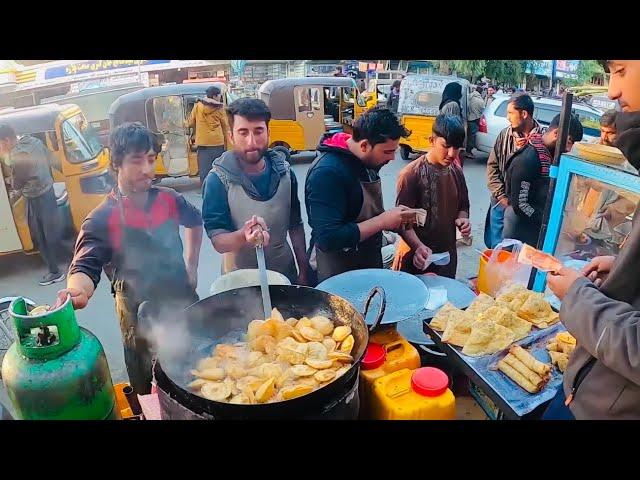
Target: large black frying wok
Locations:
point(228, 314)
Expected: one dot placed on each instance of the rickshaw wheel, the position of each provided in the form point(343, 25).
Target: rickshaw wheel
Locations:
point(405, 152)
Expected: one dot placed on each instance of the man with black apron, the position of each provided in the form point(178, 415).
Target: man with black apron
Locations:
point(134, 235)
point(343, 195)
point(249, 187)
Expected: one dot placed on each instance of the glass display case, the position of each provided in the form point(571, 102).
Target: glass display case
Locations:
point(591, 212)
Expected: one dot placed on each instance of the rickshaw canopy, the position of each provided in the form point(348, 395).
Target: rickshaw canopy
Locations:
point(422, 94)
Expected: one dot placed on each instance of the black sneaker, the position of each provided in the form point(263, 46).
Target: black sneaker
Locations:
point(50, 278)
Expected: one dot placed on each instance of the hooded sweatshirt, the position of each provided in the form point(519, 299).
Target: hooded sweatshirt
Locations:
point(30, 168)
point(333, 194)
point(210, 121)
point(602, 378)
point(262, 187)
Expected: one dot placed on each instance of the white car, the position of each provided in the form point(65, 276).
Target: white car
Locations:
point(494, 119)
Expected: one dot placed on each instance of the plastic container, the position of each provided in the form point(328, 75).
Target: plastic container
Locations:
point(421, 394)
point(484, 284)
point(249, 277)
point(387, 352)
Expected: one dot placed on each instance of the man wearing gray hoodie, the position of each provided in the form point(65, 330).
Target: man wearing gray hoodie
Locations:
point(31, 177)
point(252, 192)
point(601, 304)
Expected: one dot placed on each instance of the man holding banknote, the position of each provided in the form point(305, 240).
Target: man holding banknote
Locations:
point(601, 304)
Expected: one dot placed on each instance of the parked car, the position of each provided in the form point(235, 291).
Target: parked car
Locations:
point(494, 119)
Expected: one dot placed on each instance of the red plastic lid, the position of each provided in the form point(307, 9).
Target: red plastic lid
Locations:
point(374, 356)
point(429, 381)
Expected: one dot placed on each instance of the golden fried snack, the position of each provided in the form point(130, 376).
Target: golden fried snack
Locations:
point(213, 374)
point(322, 324)
point(341, 332)
point(439, 322)
point(311, 334)
point(215, 391)
point(559, 359)
point(318, 364)
point(566, 337)
point(266, 390)
point(197, 384)
point(278, 361)
point(481, 303)
point(536, 380)
point(530, 361)
point(458, 329)
point(505, 317)
point(303, 370)
point(347, 344)
point(325, 375)
point(487, 338)
point(295, 391)
point(514, 375)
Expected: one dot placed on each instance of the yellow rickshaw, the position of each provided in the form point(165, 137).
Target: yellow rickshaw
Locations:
point(303, 109)
point(79, 166)
point(164, 110)
point(418, 106)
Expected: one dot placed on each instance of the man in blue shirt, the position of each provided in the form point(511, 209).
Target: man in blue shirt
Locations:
point(253, 186)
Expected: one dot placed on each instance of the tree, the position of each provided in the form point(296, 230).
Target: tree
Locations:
point(510, 72)
point(585, 72)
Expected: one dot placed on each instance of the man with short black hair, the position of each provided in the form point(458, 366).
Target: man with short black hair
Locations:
point(435, 183)
point(212, 129)
point(134, 235)
point(343, 194)
point(28, 160)
point(514, 137)
point(251, 195)
point(527, 181)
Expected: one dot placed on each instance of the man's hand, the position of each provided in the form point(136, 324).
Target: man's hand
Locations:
point(464, 225)
point(504, 202)
point(561, 282)
point(421, 256)
point(520, 142)
point(598, 269)
point(255, 231)
point(79, 298)
point(192, 275)
point(391, 219)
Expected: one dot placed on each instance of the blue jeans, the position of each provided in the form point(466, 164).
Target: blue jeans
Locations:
point(557, 410)
point(494, 224)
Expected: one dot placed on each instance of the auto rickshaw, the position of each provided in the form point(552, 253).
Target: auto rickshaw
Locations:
point(303, 109)
point(419, 103)
point(164, 110)
point(79, 166)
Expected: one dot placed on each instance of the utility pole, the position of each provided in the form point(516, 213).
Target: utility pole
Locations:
point(553, 74)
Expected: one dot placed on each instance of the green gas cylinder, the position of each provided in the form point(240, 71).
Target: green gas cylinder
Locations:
point(56, 370)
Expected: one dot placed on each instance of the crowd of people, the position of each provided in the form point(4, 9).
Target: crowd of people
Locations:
point(250, 195)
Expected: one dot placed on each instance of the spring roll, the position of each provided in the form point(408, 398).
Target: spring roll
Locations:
point(566, 348)
point(522, 369)
point(553, 347)
point(510, 372)
point(559, 359)
point(531, 362)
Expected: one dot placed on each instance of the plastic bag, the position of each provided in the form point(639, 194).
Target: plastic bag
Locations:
point(503, 269)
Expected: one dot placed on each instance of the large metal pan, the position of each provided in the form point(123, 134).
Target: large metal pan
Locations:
point(406, 295)
point(224, 318)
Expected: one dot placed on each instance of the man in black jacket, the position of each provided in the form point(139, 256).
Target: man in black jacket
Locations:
point(527, 181)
